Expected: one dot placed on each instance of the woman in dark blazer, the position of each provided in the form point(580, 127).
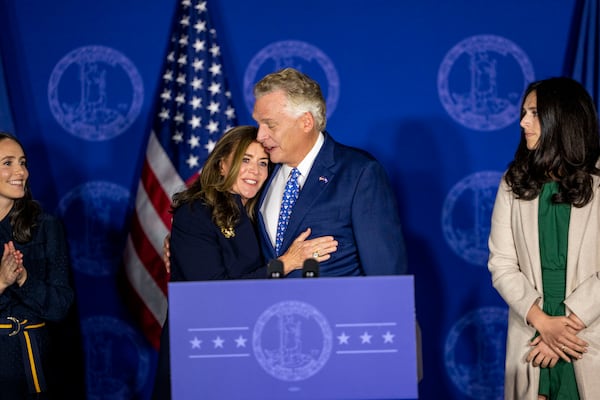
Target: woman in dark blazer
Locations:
point(35, 287)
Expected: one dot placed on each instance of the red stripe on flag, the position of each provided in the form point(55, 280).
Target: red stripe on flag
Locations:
point(160, 200)
point(151, 260)
point(150, 327)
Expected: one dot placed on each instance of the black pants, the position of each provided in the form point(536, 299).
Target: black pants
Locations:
point(162, 382)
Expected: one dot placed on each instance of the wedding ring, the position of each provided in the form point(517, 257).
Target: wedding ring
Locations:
point(316, 254)
point(563, 347)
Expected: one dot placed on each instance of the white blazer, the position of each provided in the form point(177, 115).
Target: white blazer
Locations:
point(515, 266)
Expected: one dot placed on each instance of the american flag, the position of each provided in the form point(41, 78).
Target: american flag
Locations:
point(192, 111)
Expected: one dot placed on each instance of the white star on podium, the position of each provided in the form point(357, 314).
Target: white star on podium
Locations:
point(218, 342)
point(365, 337)
point(241, 341)
point(343, 338)
point(196, 343)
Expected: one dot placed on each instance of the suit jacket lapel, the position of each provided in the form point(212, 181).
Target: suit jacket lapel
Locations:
point(320, 175)
point(268, 248)
point(577, 227)
point(529, 221)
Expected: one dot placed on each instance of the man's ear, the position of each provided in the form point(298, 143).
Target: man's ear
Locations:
point(308, 121)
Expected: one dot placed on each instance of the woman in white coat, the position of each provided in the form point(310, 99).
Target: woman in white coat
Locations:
point(545, 246)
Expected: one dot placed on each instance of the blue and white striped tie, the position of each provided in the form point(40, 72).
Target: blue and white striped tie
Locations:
point(290, 194)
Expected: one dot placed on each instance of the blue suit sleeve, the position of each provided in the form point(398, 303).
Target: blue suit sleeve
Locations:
point(376, 224)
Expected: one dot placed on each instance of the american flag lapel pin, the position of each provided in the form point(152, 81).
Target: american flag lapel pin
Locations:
point(323, 179)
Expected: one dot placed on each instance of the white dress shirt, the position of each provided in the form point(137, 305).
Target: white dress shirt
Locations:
point(272, 204)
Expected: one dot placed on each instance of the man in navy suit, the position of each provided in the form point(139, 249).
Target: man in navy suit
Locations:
point(344, 191)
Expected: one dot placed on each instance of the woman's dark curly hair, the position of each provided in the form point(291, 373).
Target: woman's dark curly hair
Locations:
point(213, 188)
point(568, 147)
point(25, 211)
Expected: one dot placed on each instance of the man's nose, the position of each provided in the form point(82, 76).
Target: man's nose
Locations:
point(261, 136)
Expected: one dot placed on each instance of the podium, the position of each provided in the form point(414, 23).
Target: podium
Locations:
point(312, 338)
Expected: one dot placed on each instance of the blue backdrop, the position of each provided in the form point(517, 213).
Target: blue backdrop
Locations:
point(431, 88)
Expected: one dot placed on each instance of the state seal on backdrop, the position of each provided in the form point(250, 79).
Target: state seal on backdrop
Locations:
point(299, 55)
point(466, 215)
point(93, 213)
point(109, 374)
point(474, 353)
point(95, 93)
point(292, 340)
point(480, 82)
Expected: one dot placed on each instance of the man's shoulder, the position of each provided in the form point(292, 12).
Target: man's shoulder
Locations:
point(355, 153)
point(350, 153)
